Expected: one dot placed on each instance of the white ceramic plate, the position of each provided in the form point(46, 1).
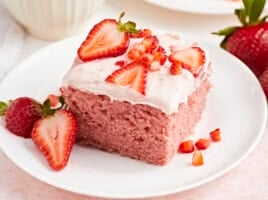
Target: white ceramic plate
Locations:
point(216, 7)
point(236, 104)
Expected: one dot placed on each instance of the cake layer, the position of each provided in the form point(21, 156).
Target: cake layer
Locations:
point(138, 131)
point(163, 91)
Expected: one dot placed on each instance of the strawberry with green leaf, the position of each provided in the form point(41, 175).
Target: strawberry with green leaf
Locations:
point(249, 42)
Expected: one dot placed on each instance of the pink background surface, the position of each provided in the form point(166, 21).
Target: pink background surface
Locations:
point(247, 181)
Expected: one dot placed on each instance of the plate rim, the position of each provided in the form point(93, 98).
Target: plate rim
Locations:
point(201, 11)
point(141, 195)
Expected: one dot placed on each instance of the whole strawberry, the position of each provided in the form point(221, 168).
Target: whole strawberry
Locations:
point(249, 42)
point(20, 115)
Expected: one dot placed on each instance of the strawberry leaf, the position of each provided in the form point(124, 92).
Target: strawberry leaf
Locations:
point(247, 6)
point(128, 27)
point(227, 31)
point(257, 7)
point(3, 108)
point(47, 108)
point(242, 16)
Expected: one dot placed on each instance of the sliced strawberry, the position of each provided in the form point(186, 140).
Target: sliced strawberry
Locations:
point(104, 40)
point(55, 135)
point(215, 135)
point(191, 58)
point(202, 144)
point(175, 68)
point(133, 74)
point(186, 146)
point(197, 159)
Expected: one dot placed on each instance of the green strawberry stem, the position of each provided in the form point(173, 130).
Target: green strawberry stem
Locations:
point(3, 108)
point(249, 15)
point(46, 107)
point(128, 27)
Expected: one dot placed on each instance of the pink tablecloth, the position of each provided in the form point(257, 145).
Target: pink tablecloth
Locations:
point(248, 181)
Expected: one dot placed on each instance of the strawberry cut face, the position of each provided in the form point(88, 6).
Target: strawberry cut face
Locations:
point(192, 59)
point(134, 75)
point(55, 136)
point(104, 40)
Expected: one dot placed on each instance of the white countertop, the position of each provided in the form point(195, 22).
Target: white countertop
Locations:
point(249, 180)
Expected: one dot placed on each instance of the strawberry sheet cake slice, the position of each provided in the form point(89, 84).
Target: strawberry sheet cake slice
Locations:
point(135, 92)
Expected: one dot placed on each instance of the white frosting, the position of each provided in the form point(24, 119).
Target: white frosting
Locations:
point(163, 90)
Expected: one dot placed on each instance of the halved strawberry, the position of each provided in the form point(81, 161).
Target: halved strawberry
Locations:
point(191, 58)
point(215, 135)
point(55, 135)
point(202, 144)
point(108, 38)
point(104, 40)
point(197, 159)
point(133, 74)
point(186, 146)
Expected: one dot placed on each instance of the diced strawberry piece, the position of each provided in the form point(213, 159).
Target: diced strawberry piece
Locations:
point(104, 40)
point(146, 32)
point(215, 135)
point(175, 68)
point(186, 146)
point(202, 144)
point(161, 50)
point(140, 47)
point(155, 66)
point(54, 136)
point(54, 100)
point(133, 74)
point(159, 56)
point(121, 63)
point(150, 43)
point(141, 34)
point(147, 59)
point(197, 159)
point(192, 58)
point(134, 54)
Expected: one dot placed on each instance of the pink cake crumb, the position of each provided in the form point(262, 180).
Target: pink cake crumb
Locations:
point(137, 131)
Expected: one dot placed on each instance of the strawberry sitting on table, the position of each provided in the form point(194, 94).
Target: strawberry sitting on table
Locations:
point(249, 42)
